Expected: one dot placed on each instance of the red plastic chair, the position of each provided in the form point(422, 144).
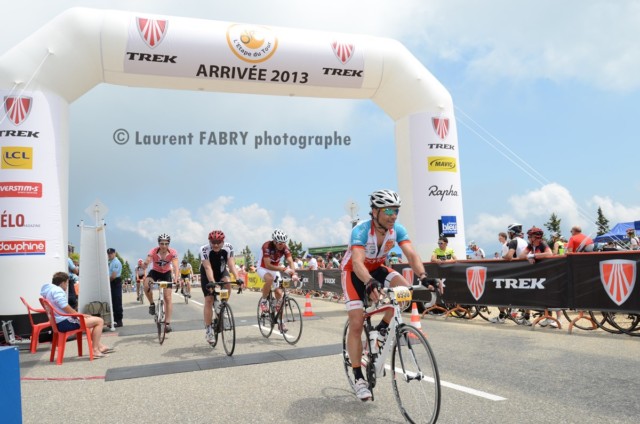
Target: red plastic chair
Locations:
point(60, 339)
point(35, 328)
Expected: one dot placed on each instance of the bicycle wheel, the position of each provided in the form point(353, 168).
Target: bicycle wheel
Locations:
point(416, 381)
point(265, 322)
point(227, 328)
point(291, 319)
point(185, 294)
point(625, 322)
point(160, 321)
point(365, 362)
point(583, 323)
point(602, 320)
point(483, 312)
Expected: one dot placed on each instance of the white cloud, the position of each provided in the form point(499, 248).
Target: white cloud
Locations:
point(614, 211)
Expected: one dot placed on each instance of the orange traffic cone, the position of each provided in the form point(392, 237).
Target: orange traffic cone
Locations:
point(415, 320)
point(307, 307)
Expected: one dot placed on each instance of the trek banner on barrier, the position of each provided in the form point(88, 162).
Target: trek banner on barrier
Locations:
point(605, 281)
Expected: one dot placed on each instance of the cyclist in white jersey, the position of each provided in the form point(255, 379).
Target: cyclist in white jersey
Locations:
point(364, 271)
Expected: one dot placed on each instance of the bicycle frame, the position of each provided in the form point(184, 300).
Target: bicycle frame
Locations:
point(393, 294)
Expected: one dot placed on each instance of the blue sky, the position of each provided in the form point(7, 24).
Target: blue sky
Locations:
point(545, 93)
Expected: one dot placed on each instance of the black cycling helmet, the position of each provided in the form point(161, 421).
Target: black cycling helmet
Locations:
point(515, 228)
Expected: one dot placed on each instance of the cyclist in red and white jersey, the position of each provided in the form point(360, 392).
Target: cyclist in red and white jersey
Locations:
point(162, 259)
point(364, 271)
point(270, 266)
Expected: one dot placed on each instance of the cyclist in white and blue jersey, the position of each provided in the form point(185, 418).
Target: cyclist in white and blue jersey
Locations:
point(364, 271)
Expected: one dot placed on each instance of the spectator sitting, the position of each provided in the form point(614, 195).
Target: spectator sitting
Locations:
point(55, 293)
point(579, 242)
point(442, 254)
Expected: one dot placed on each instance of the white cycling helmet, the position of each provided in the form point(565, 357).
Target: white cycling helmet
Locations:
point(279, 236)
point(165, 237)
point(515, 228)
point(384, 199)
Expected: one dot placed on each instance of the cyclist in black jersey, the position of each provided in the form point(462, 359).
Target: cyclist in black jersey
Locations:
point(217, 261)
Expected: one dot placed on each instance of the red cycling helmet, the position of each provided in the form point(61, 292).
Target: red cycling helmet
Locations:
point(535, 231)
point(216, 235)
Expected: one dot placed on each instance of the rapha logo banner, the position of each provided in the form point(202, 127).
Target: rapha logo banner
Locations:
point(618, 277)
point(476, 278)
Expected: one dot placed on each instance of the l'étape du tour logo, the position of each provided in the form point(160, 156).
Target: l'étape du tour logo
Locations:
point(252, 43)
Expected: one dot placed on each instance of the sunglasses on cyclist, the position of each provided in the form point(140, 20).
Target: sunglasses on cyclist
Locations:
point(391, 211)
point(216, 241)
point(163, 243)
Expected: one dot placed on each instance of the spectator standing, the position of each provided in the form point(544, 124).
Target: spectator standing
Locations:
point(502, 238)
point(443, 254)
point(312, 263)
point(74, 271)
point(634, 242)
point(393, 259)
point(514, 247)
point(477, 253)
point(557, 245)
point(578, 242)
point(115, 272)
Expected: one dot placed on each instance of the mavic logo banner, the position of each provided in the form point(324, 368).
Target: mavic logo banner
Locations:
point(618, 277)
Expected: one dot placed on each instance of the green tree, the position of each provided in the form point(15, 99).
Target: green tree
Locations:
point(553, 226)
point(126, 269)
point(295, 248)
point(248, 257)
point(193, 260)
point(602, 222)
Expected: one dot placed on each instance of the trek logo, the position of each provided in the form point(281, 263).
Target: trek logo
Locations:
point(343, 51)
point(18, 108)
point(17, 157)
point(152, 31)
point(441, 146)
point(441, 127)
point(519, 283)
point(22, 247)
point(252, 43)
point(476, 278)
point(442, 164)
point(618, 277)
point(20, 189)
point(449, 225)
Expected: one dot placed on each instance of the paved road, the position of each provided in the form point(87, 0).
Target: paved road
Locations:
point(490, 373)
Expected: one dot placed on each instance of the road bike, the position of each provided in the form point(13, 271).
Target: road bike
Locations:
point(160, 314)
point(284, 313)
point(223, 323)
point(415, 377)
point(140, 292)
point(186, 290)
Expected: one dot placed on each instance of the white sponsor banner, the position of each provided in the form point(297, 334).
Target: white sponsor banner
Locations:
point(193, 48)
point(30, 216)
point(436, 178)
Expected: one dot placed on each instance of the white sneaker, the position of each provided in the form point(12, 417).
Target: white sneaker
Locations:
point(544, 322)
point(496, 320)
point(210, 337)
point(523, 321)
point(362, 390)
point(553, 324)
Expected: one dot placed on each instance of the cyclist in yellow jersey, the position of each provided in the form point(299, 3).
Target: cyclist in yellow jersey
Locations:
point(186, 275)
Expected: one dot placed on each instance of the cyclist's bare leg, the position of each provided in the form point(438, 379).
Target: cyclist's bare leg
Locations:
point(354, 341)
point(168, 305)
point(208, 310)
point(266, 288)
point(147, 289)
point(188, 283)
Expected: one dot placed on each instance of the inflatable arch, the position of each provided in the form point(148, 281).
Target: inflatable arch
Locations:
point(81, 48)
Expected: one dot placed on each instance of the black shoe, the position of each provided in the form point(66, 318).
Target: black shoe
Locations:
point(152, 309)
point(168, 329)
point(118, 324)
point(177, 289)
